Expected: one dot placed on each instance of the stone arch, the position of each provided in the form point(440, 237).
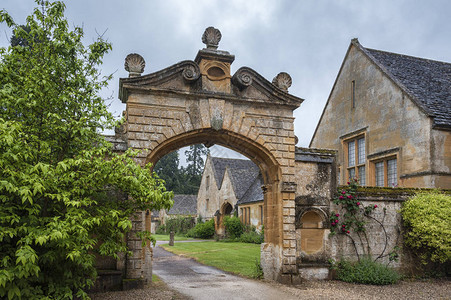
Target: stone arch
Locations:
point(261, 156)
point(312, 230)
point(226, 208)
point(194, 102)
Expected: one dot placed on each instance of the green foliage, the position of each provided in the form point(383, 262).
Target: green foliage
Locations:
point(427, 217)
point(202, 230)
point(233, 227)
point(252, 237)
point(352, 222)
point(258, 270)
point(63, 193)
point(366, 271)
point(180, 225)
point(182, 180)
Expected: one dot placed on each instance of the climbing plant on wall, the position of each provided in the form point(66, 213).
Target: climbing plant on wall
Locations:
point(353, 220)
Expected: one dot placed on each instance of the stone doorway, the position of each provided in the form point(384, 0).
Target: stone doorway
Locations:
point(200, 101)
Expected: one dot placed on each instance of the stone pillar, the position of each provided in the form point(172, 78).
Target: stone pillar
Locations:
point(136, 263)
point(289, 271)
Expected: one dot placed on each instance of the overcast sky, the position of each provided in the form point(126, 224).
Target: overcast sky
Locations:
point(307, 38)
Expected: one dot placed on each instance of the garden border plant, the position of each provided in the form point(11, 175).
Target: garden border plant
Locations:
point(352, 223)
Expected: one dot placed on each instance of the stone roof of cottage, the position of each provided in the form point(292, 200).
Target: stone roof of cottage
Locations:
point(254, 193)
point(242, 172)
point(184, 205)
point(427, 82)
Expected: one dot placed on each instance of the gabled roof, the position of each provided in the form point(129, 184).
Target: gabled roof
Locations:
point(184, 205)
point(243, 174)
point(254, 193)
point(427, 82)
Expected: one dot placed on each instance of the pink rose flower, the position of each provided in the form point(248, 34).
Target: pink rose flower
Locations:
point(337, 215)
point(375, 206)
point(358, 203)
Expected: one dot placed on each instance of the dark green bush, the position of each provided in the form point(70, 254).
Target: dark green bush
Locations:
point(180, 225)
point(366, 271)
point(202, 230)
point(251, 237)
point(233, 227)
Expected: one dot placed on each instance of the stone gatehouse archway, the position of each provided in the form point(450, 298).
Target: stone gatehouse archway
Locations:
point(201, 102)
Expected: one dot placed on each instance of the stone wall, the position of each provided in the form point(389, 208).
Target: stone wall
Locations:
point(392, 125)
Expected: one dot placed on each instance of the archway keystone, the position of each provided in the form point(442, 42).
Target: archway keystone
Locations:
point(201, 102)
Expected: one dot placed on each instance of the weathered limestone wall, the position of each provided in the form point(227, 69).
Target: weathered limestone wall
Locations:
point(315, 178)
point(255, 214)
point(212, 194)
point(382, 241)
point(384, 114)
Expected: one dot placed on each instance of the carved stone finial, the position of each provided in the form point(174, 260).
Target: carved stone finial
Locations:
point(211, 37)
point(134, 64)
point(282, 81)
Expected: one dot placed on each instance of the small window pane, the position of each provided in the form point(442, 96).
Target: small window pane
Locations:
point(361, 150)
point(351, 173)
point(392, 173)
point(380, 173)
point(351, 154)
point(362, 180)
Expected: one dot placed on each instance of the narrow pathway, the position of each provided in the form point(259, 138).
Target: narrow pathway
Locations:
point(203, 282)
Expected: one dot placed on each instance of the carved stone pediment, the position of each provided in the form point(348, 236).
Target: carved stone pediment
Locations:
point(248, 84)
point(178, 77)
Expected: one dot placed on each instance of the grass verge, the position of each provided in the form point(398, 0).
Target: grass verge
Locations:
point(237, 258)
point(165, 237)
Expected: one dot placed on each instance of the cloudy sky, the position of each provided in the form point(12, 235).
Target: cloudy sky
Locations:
point(307, 38)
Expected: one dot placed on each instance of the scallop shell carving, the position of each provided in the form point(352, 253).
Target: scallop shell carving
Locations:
point(134, 64)
point(282, 81)
point(211, 37)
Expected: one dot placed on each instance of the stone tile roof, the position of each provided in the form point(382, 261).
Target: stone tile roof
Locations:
point(184, 205)
point(427, 82)
point(242, 172)
point(254, 193)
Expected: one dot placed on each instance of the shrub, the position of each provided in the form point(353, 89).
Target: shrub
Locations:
point(366, 271)
point(427, 217)
point(233, 227)
point(251, 237)
point(202, 230)
point(179, 224)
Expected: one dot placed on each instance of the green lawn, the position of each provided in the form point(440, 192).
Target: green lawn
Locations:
point(238, 258)
point(165, 237)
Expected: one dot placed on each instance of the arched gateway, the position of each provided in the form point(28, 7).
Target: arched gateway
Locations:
point(201, 102)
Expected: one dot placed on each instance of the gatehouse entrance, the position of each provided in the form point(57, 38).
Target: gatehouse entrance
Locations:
point(200, 101)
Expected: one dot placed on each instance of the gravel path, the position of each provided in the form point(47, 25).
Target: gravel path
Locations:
point(186, 279)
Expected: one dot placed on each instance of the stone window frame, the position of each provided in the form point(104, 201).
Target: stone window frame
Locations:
point(354, 137)
point(384, 156)
point(384, 160)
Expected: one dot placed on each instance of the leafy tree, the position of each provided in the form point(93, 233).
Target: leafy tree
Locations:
point(63, 193)
point(17, 41)
point(193, 172)
point(167, 168)
point(195, 158)
point(182, 180)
